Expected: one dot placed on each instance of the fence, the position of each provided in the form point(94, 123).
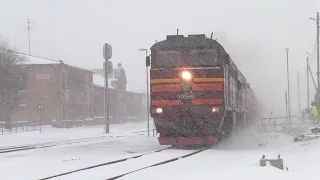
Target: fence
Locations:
point(282, 124)
point(19, 126)
point(24, 126)
point(93, 122)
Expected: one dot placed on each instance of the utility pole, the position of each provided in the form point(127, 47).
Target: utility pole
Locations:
point(308, 90)
point(314, 82)
point(148, 105)
point(289, 113)
point(148, 101)
point(318, 49)
point(28, 29)
point(147, 80)
point(299, 92)
point(318, 27)
point(286, 98)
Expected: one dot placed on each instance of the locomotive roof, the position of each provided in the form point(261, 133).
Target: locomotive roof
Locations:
point(194, 41)
point(191, 41)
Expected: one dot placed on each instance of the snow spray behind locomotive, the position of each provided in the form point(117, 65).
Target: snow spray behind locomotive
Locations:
point(197, 92)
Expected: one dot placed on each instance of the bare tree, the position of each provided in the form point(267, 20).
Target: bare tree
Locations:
point(11, 80)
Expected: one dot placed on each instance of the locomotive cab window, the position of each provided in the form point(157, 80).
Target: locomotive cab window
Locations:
point(202, 57)
point(169, 58)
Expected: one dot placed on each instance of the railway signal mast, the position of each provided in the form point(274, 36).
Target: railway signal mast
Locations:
point(107, 66)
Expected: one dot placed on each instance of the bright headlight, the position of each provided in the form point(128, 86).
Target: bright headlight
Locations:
point(214, 109)
point(159, 110)
point(186, 75)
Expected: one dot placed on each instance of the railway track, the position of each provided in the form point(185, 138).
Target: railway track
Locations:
point(50, 144)
point(14, 149)
point(121, 161)
point(157, 164)
point(9, 149)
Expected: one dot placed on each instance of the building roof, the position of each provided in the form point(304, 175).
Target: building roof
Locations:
point(98, 79)
point(34, 61)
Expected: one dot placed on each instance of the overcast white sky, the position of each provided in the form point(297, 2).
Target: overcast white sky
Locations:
point(255, 32)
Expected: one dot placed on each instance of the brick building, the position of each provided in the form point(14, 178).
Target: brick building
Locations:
point(69, 93)
point(9, 85)
point(65, 91)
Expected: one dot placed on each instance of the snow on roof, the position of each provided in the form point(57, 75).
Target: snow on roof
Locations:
point(132, 90)
point(36, 60)
point(30, 60)
point(98, 80)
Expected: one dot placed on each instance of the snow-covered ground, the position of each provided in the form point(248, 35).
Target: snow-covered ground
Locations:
point(127, 166)
point(39, 163)
point(50, 134)
point(236, 157)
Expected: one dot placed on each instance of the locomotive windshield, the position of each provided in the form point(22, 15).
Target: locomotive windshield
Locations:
point(169, 58)
point(202, 58)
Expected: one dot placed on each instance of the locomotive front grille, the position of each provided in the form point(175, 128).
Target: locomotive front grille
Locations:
point(186, 87)
point(186, 101)
point(188, 126)
point(186, 121)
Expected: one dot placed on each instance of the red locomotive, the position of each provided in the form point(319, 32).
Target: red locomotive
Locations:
point(197, 92)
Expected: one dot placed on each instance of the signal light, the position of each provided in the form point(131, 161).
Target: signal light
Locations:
point(159, 110)
point(186, 75)
point(148, 62)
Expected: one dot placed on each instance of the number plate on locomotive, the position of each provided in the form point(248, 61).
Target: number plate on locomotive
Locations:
point(185, 96)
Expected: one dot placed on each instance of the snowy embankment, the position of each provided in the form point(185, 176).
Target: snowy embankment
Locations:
point(50, 134)
point(238, 158)
point(40, 163)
